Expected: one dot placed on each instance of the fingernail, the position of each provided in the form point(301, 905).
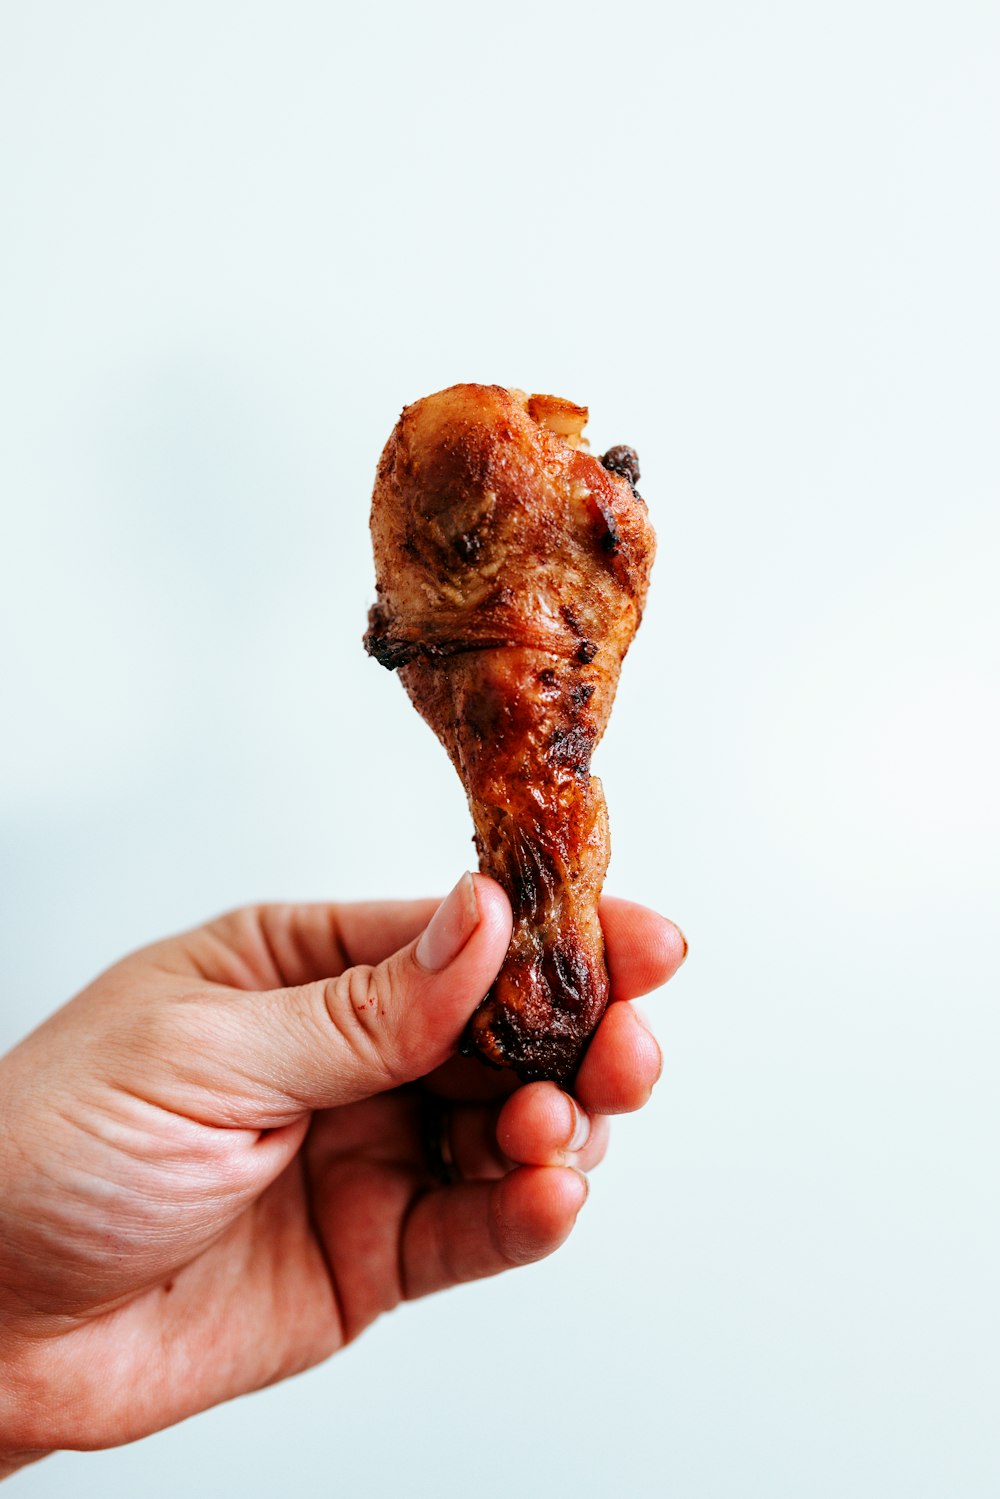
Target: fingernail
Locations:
point(684, 940)
point(581, 1128)
point(450, 928)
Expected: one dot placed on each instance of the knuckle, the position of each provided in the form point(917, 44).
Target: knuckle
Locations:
point(360, 1003)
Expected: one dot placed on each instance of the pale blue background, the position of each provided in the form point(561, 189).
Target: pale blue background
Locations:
point(762, 241)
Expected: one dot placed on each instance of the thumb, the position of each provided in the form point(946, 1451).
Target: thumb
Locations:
point(371, 1028)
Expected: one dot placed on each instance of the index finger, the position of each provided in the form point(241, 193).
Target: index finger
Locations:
point(643, 949)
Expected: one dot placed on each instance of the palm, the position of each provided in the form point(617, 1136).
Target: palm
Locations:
point(282, 1283)
point(346, 1231)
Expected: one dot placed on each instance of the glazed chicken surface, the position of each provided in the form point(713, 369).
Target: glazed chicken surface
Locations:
point(511, 571)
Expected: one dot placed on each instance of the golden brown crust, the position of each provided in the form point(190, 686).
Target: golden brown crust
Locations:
point(512, 569)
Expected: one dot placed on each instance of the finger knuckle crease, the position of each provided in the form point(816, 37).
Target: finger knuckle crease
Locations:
point(357, 1006)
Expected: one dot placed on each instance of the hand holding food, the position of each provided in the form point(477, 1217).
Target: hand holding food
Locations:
point(215, 1166)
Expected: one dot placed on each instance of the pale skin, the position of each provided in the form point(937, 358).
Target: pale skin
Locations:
point(213, 1162)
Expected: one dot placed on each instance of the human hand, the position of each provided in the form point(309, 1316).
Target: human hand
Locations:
point(213, 1162)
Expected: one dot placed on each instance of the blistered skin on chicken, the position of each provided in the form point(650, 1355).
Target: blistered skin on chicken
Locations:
point(512, 569)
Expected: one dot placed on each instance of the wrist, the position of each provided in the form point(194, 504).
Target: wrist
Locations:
point(10, 1462)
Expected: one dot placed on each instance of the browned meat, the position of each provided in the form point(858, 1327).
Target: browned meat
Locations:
point(512, 569)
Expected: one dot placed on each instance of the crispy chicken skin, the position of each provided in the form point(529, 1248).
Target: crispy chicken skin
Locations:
point(512, 569)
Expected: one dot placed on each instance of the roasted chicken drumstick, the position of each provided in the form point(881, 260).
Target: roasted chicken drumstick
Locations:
point(512, 569)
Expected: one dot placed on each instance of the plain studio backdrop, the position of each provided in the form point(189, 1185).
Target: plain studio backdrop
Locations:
point(761, 241)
